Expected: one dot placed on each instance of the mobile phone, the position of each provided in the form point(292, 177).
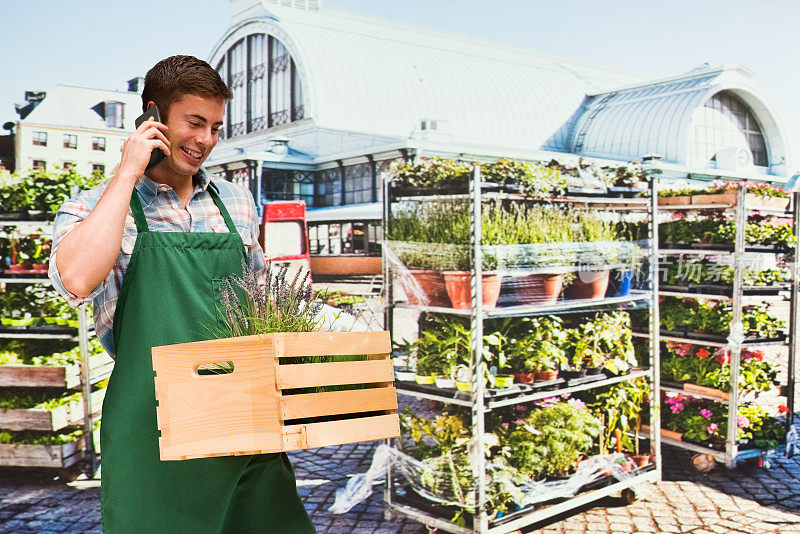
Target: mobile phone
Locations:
point(157, 156)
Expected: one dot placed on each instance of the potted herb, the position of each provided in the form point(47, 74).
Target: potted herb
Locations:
point(551, 440)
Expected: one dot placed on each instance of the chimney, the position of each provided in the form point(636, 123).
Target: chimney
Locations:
point(136, 85)
point(33, 99)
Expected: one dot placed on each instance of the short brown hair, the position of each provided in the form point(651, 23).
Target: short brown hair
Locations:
point(176, 76)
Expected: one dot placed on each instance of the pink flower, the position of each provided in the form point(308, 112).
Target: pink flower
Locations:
point(677, 407)
point(519, 422)
point(577, 403)
point(705, 413)
point(743, 421)
point(711, 428)
point(504, 425)
point(520, 407)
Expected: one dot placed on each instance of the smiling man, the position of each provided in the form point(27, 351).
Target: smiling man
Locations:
point(150, 249)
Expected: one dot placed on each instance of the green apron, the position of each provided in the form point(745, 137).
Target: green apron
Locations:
point(170, 295)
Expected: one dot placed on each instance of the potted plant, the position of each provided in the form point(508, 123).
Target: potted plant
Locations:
point(540, 347)
point(599, 247)
point(440, 348)
point(551, 440)
point(402, 351)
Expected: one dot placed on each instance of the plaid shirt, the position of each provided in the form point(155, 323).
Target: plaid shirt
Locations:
point(164, 213)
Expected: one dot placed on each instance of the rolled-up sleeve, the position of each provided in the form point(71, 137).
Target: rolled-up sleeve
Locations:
point(255, 254)
point(68, 217)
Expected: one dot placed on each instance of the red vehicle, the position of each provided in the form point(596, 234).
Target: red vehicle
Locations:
point(284, 236)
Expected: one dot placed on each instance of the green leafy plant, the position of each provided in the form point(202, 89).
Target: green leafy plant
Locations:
point(620, 407)
point(551, 440)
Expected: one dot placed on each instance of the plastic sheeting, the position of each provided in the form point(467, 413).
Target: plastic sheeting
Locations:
point(447, 479)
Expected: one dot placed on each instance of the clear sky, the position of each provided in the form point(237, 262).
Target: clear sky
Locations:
point(104, 43)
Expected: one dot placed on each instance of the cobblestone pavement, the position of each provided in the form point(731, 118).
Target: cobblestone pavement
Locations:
point(746, 500)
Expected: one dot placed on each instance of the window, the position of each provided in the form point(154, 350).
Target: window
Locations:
point(358, 183)
point(725, 122)
point(40, 138)
point(39, 164)
point(115, 114)
point(68, 165)
point(70, 141)
point(265, 84)
point(99, 143)
point(329, 190)
point(96, 167)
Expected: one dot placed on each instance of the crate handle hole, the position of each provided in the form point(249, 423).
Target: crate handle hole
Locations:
point(216, 368)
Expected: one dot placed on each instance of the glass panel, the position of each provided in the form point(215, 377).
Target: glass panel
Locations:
point(724, 122)
point(283, 238)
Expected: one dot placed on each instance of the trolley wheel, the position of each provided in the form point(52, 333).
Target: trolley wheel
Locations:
point(629, 496)
point(703, 463)
point(69, 474)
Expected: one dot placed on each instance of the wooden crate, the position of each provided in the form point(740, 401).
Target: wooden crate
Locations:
point(40, 419)
point(730, 198)
point(251, 411)
point(55, 456)
point(68, 376)
point(674, 201)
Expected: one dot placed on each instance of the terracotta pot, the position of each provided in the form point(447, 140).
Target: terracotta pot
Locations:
point(626, 466)
point(588, 285)
point(546, 376)
point(641, 460)
point(41, 268)
point(458, 288)
point(433, 288)
point(16, 267)
point(524, 378)
point(538, 288)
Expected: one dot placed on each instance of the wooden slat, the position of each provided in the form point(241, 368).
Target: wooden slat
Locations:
point(312, 435)
point(293, 344)
point(51, 376)
point(334, 373)
point(689, 388)
point(32, 376)
point(40, 455)
point(51, 420)
point(338, 402)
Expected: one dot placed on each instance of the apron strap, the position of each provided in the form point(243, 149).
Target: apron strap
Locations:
point(141, 221)
point(222, 209)
point(138, 212)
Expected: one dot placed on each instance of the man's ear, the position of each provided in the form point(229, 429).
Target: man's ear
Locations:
point(150, 104)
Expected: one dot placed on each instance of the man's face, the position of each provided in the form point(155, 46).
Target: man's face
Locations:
point(194, 123)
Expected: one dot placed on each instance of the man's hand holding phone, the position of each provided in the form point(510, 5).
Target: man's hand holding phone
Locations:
point(146, 147)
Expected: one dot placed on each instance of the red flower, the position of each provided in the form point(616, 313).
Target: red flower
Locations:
point(702, 353)
point(722, 357)
point(783, 408)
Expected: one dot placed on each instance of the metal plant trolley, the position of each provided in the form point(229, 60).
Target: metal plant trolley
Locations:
point(736, 341)
point(481, 400)
point(93, 369)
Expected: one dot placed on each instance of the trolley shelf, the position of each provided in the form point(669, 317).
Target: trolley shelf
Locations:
point(518, 393)
point(715, 341)
point(522, 311)
point(438, 516)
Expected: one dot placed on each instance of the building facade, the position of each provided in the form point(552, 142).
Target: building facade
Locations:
point(325, 101)
point(75, 127)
